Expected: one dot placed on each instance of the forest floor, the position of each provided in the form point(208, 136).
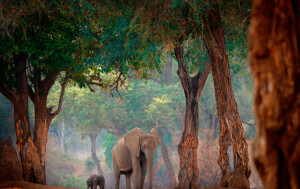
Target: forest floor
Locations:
point(27, 185)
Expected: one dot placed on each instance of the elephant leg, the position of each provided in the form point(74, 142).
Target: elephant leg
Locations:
point(128, 180)
point(117, 173)
point(143, 171)
point(136, 166)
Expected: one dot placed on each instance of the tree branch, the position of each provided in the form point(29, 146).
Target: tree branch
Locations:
point(49, 80)
point(10, 95)
point(62, 92)
point(202, 78)
point(182, 71)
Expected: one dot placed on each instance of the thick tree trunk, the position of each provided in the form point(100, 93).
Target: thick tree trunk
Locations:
point(168, 163)
point(32, 170)
point(94, 155)
point(32, 153)
point(43, 115)
point(274, 43)
point(10, 124)
point(233, 145)
point(188, 175)
point(42, 122)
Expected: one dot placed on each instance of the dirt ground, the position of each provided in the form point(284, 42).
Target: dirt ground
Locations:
point(26, 185)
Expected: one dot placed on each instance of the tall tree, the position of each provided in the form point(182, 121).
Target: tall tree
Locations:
point(274, 42)
point(188, 175)
point(34, 54)
point(231, 129)
point(168, 25)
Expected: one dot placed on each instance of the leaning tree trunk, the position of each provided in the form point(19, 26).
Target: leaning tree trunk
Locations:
point(168, 163)
point(94, 155)
point(233, 145)
point(274, 43)
point(188, 175)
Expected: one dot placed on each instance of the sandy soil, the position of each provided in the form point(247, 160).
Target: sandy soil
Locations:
point(27, 185)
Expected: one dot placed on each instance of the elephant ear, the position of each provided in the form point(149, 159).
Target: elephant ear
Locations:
point(154, 132)
point(132, 140)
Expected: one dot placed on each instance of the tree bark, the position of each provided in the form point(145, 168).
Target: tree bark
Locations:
point(10, 124)
point(168, 163)
point(231, 129)
point(188, 175)
point(94, 155)
point(274, 43)
point(32, 153)
point(42, 123)
point(32, 170)
point(43, 114)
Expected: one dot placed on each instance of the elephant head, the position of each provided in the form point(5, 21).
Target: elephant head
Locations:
point(140, 142)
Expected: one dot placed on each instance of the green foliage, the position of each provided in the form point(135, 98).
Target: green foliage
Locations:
point(108, 143)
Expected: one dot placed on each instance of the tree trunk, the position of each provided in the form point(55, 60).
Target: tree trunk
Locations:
point(157, 166)
point(32, 170)
point(43, 115)
point(188, 175)
point(32, 153)
point(94, 155)
point(231, 129)
point(41, 128)
point(274, 44)
point(169, 166)
point(61, 137)
point(10, 124)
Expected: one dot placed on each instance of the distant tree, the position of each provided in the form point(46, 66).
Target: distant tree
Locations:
point(274, 41)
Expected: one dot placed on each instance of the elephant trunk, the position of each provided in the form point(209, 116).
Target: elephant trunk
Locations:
point(149, 157)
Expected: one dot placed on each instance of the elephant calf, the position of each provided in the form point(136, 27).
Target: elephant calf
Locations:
point(95, 180)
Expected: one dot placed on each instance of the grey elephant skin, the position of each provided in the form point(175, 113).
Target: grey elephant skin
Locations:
point(132, 154)
point(95, 180)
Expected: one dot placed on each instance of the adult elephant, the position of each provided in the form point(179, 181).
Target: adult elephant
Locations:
point(132, 153)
